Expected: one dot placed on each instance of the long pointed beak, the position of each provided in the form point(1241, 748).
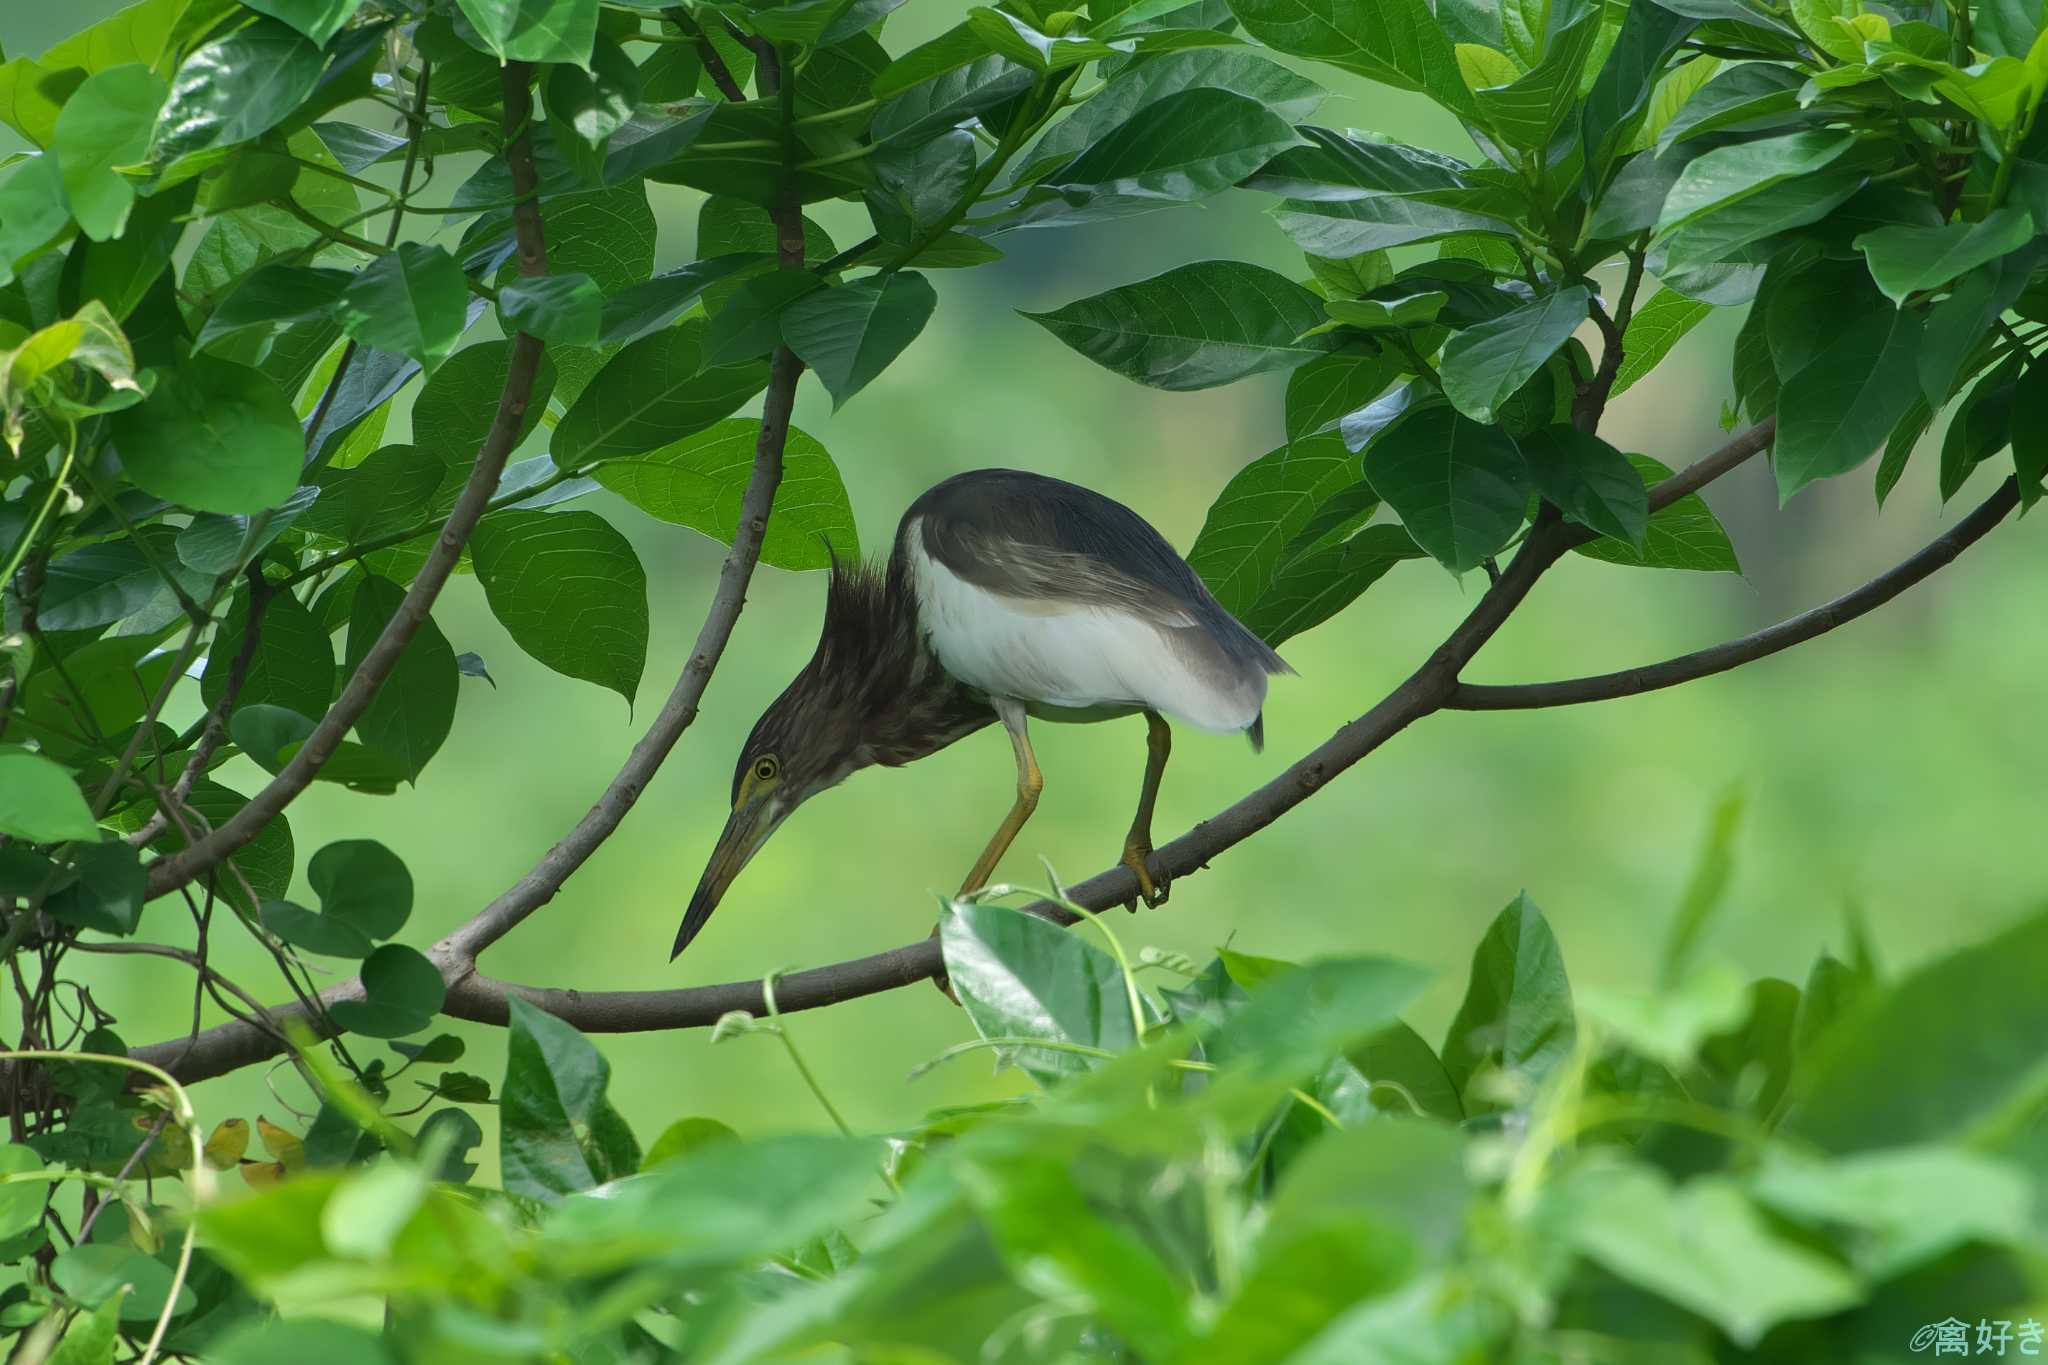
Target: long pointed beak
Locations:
point(745, 832)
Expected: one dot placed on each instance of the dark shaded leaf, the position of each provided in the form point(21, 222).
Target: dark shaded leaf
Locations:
point(650, 395)
point(557, 1132)
point(570, 592)
point(850, 333)
point(1516, 1019)
point(1459, 487)
point(415, 708)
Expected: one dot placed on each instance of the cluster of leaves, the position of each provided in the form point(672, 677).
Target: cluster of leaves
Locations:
point(1256, 1162)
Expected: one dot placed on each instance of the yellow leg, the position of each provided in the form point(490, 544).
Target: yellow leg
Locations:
point(1030, 782)
point(1138, 844)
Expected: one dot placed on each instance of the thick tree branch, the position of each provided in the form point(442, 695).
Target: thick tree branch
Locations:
point(1764, 643)
point(472, 996)
point(173, 870)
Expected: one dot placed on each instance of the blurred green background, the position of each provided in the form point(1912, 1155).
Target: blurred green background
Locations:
point(1893, 766)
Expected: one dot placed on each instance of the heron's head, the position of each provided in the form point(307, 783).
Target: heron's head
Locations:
point(809, 739)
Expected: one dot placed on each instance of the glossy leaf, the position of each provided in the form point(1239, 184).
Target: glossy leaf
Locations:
point(1839, 407)
point(1321, 392)
point(292, 666)
point(1905, 260)
point(1324, 576)
point(535, 30)
point(1397, 44)
point(319, 20)
point(699, 482)
point(1186, 145)
point(1019, 976)
point(1660, 324)
point(570, 592)
point(1195, 326)
point(1482, 366)
point(1459, 487)
point(236, 88)
point(563, 309)
point(1261, 511)
point(554, 1090)
point(650, 395)
point(850, 333)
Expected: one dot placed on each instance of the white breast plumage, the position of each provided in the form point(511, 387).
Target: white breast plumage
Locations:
point(1070, 655)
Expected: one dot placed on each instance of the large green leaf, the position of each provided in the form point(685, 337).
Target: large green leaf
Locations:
point(415, 708)
point(214, 436)
point(362, 883)
point(1516, 1020)
point(265, 861)
point(39, 802)
point(1528, 110)
point(1195, 326)
point(1684, 535)
point(106, 124)
point(535, 30)
point(1703, 1246)
point(1482, 366)
point(850, 333)
point(1838, 408)
point(1397, 43)
point(557, 1132)
point(1289, 96)
point(1321, 392)
point(412, 302)
point(271, 298)
point(564, 310)
point(1262, 509)
point(98, 585)
point(293, 664)
point(401, 993)
point(1458, 485)
point(1019, 976)
point(570, 592)
point(317, 19)
point(1905, 259)
point(699, 482)
point(1724, 175)
point(1186, 145)
point(1590, 481)
point(652, 394)
point(236, 88)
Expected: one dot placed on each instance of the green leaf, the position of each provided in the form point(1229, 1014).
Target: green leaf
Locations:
point(850, 333)
point(1186, 145)
point(954, 48)
point(455, 410)
point(1909, 1205)
point(266, 861)
point(105, 125)
point(39, 802)
point(592, 105)
point(21, 1202)
point(1529, 109)
point(32, 211)
point(1669, 1024)
point(1656, 327)
point(393, 486)
point(562, 309)
point(292, 667)
point(1389, 314)
point(1322, 391)
point(1397, 43)
point(270, 299)
point(1458, 486)
point(535, 30)
point(214, 436)
point(1516, 1021)
point(1944, 1053)
point(1684, 535)
point(1726, 175)
point(2030, 431)
point(652, 394)
point(402, 990)
point(1705, 889)
point(1838, 408)
point(748, 323)
point(237, 88)
point(1196, 326)
point(569, 591)
point(1906, 259)
point(700, 481)
point(650, 305)
point(317, 19)
point(1294, 1023)
point(1483, 365)
point(557, 1133)
point(1704, 1247)
point(363, 884)
point(101, 584)
point(1019, 976)
point(1324, 577)
point(415, 708)
point(109, 892)
point(412, 302)
point(93, 1273)
point(932, 106)
point(1291, 97)
point(1590, 481)
point(1021, 43)
point(1261, 511)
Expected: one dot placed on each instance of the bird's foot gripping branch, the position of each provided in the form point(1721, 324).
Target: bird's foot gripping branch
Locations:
point(243, 239)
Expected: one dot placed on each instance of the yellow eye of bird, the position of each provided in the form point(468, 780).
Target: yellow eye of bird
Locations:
point(764, 771)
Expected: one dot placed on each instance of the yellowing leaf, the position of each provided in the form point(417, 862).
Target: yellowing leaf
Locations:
point(287, 1148)
point(224, 1147)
